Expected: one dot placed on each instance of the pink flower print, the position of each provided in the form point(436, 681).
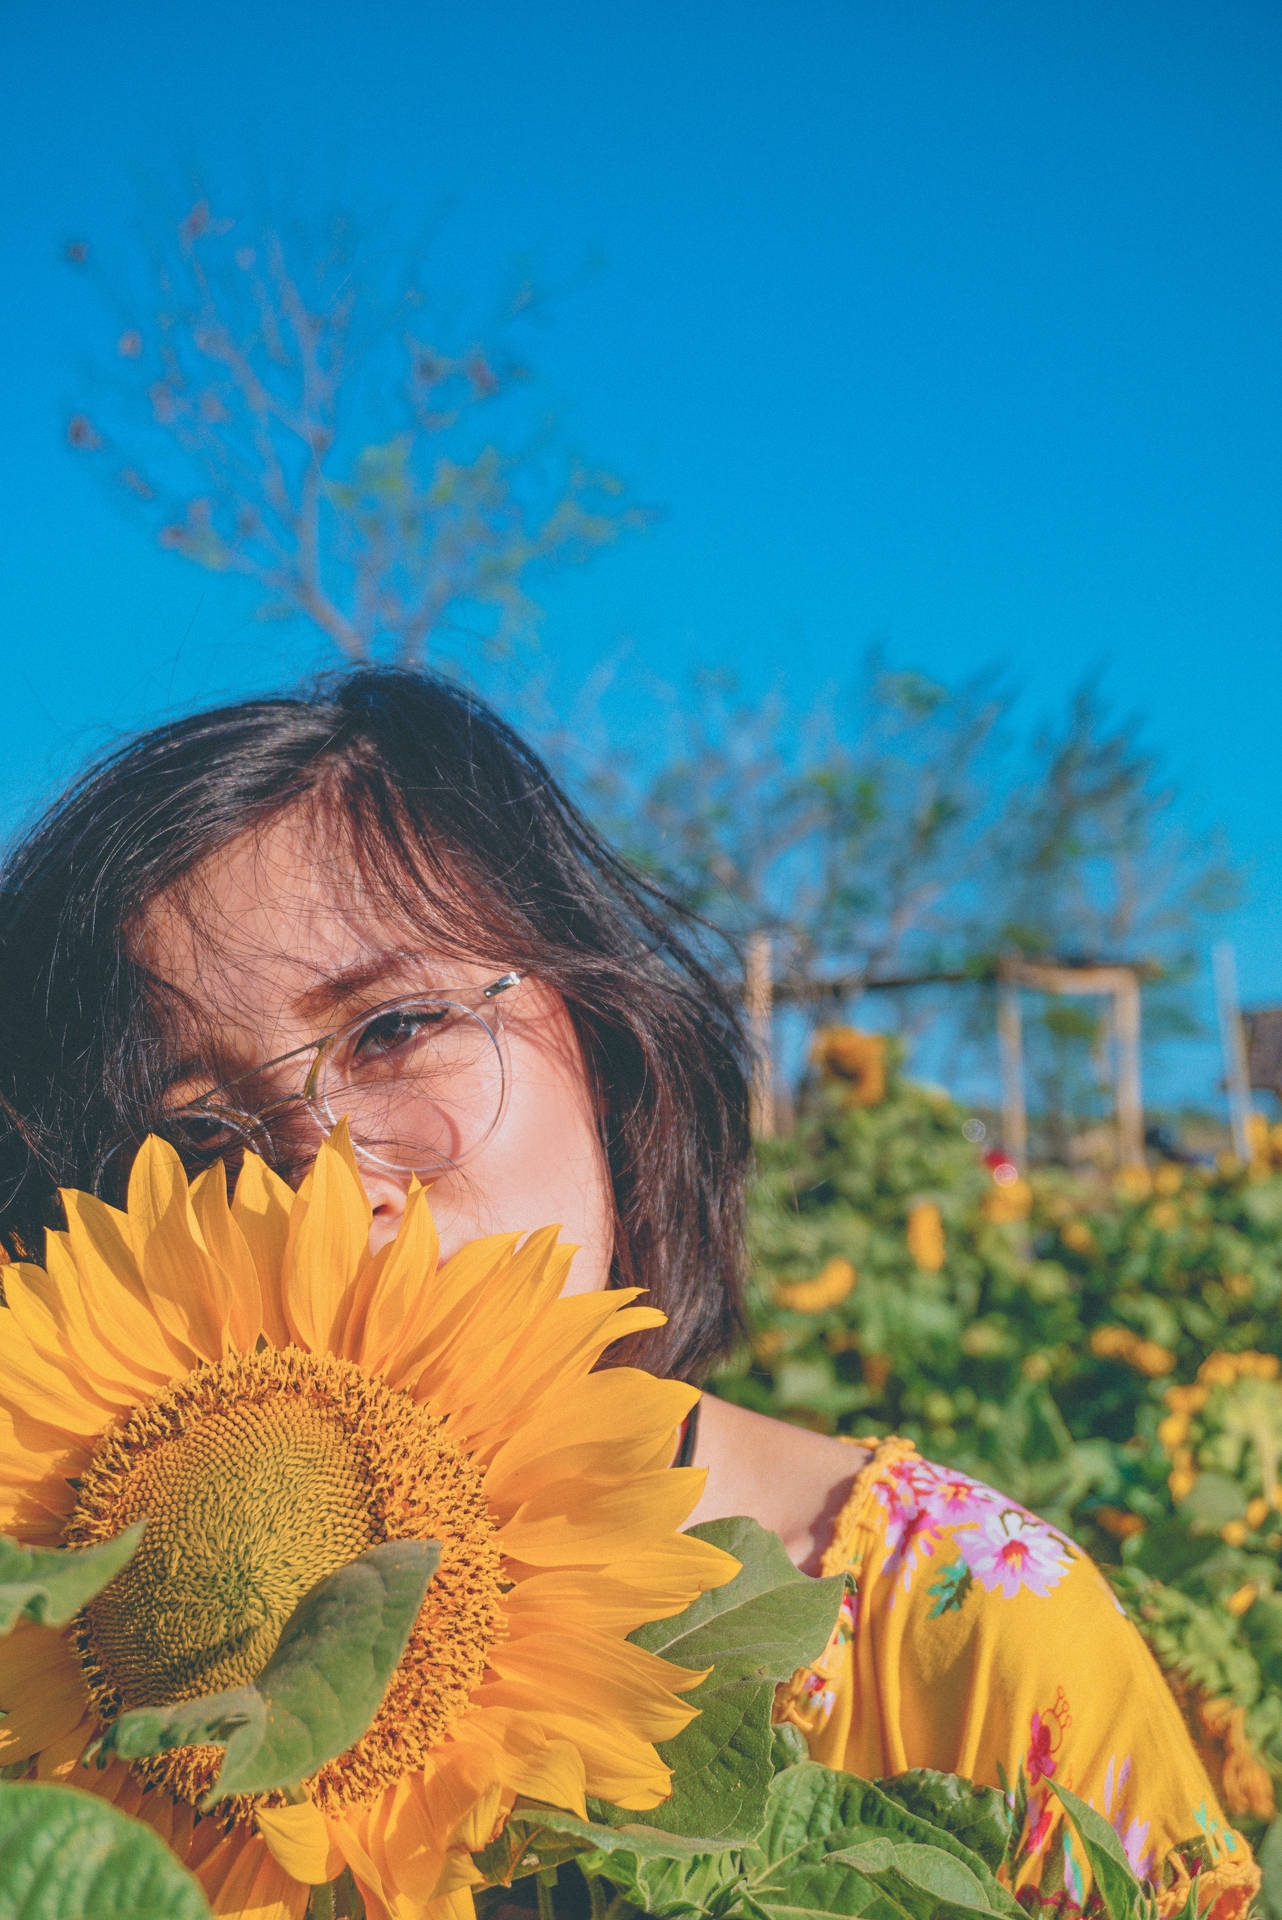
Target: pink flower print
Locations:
point(1040, 1758)
point(1131, 1833)
point(954, 1500)
point(1046, 1737)
point(909, 1532)
point(1038, 1823)
point(1016, 1554)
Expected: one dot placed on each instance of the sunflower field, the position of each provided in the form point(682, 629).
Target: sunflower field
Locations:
point(1106, 1351)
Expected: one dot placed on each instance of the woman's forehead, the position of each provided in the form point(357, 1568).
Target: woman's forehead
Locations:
point(278, 926)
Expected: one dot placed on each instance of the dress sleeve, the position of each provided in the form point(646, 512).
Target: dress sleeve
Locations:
point(980, 1641)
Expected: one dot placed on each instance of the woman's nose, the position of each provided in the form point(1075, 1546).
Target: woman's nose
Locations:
point(386, 1192)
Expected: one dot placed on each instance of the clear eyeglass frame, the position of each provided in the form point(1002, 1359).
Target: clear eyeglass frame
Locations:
point(233, 1130)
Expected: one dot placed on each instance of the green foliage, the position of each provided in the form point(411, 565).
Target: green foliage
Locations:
point(754, 1632)
point(50, 1585)
point(1104, 1350)
point(318, 1692)
point(792, 1837)
point(69, 1856)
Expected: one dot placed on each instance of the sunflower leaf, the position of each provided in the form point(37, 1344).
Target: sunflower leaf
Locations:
point(834, 1844)
point(50, 1584)
point(828, 1845)
point(66, 1855)
point(319, 1691)
point(1119, 1891)
point(768, 1621)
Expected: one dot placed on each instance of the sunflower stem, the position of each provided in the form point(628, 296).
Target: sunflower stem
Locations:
point(321, 1906)
point(543, 1888)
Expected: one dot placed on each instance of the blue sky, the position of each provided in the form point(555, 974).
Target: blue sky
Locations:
point(948, 327)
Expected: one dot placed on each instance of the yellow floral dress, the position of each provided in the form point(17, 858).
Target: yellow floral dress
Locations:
point(978, 1640)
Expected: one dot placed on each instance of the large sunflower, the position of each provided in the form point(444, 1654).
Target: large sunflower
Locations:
point(275, 1399)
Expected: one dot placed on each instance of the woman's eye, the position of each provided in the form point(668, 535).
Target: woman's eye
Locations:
point(400, 1027)
point(203, 1138)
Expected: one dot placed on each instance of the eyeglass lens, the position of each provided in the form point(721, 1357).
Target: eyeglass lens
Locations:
point(420, 1085)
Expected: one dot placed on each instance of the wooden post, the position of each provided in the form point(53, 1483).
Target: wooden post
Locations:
point(1010, 1040)
point(1130, 1106)
point(1237, 1078)
point(759, 1004)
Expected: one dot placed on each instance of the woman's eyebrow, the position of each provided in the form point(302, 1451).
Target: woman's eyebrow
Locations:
point(391, 967)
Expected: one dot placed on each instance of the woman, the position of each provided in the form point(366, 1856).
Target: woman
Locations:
point(243, 926)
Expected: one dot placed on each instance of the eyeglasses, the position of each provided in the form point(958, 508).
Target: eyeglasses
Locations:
point(420, 1082)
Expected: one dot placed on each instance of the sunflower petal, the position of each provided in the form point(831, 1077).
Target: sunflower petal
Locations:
point(190, 1293)
point(242, 1881)
point(592, 1523)
point(328, 1240)
point(389, 1294)
point(298, 1839)
point(650, 1585)
point(597, 1676)
point(52, 1315)
point(261, 1207)
point(623, 1417)
point(229, 1248)
point(99, 1248)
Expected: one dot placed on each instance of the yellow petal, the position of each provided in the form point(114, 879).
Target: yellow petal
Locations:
point(299, 1840)
point(493, 1388)
point(517, 1750)
point(391, 1292)
point(619, 1765)
point(458, 1905)
point(62, 1758)
point(616, 1423)
point(328, 1239)
point(229, 1248)
point(595, 1675)
point(34, 1389)
point(650, 1585)
point(99, 1246)
point(52, 1315)
point(190, 1295)
point(593, 1523)
point(261, 1207)
point(242, 1881)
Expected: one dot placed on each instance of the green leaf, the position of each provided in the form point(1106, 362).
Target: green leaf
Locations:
point(1212, 1500)
point(319, 1691)
point(756, 1631)
point(51, 1584)
point(977, 1816)
point(833, 1844)
point(1115, 1883)
point(1269, 1856)
point(67, 1855)
point(663, 1873)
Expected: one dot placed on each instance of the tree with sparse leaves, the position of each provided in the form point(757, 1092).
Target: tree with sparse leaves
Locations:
point(279, 405)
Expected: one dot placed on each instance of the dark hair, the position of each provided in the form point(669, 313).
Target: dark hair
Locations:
point(455, 821)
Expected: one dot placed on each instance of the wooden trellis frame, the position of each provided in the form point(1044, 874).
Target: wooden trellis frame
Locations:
point(1119, 983)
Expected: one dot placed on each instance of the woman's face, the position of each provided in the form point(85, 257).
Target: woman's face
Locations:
point(278, 942)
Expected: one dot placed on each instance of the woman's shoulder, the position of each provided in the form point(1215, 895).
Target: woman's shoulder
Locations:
point(795, 1482)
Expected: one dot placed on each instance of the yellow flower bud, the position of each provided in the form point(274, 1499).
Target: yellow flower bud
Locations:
point(1246, 1596)
point(1233, 1533)
point(830, 1286)
point(926, 1241)
point(1257, 1511)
